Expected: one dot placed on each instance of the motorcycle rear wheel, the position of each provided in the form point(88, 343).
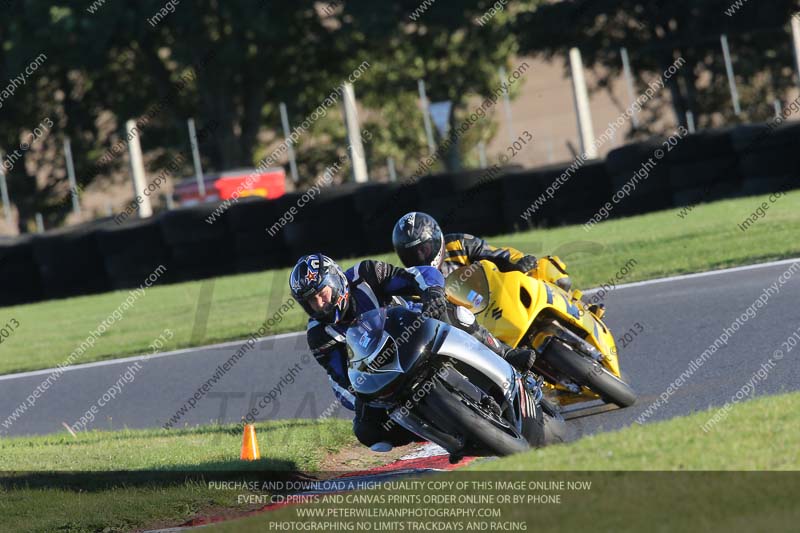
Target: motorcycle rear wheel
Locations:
point(555, 428)
point(589, 373)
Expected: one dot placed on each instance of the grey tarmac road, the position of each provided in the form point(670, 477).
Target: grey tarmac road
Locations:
point(678, 319)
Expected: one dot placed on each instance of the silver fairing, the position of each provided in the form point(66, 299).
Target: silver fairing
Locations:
point(463, 347)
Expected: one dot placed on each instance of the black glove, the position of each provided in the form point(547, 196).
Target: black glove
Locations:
point(434, 301)
point(526, 263)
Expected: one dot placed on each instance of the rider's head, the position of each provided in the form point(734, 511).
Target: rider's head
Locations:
point(418, 240)
point(320, 287)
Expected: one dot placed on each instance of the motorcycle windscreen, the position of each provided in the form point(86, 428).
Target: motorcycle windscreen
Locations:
point(366, 335)
point(373, 357)
point(468, 287)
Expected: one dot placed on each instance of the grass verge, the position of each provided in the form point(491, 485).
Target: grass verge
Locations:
point(655, 477)
point(119, 481)
point(644, 247)
point(761, 434)
point(756, 435)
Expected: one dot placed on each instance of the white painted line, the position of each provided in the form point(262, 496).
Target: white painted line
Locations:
point(177, 529)
point(427, 450)
point(125, 360)
point(697, 275)
point(296, 333)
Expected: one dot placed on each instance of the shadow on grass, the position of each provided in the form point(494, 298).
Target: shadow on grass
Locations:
point(179, 475)
point(265, 469)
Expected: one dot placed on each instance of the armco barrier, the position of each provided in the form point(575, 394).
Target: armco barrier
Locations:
point(350, 220)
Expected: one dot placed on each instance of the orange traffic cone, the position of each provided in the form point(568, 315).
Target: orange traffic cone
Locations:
point(250, 444)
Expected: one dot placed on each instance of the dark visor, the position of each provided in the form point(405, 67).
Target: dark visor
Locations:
point(420, 254)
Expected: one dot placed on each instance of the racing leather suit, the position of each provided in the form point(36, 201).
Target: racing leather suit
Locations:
point(463, 249)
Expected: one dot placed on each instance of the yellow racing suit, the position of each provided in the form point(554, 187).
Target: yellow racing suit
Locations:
point(461, 249)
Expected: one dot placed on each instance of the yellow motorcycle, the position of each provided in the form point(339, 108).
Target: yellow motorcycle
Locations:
point(577, 353)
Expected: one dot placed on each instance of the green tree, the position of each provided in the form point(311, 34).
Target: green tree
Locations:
point(657, 33)
point(229, 63)
point(447, 46)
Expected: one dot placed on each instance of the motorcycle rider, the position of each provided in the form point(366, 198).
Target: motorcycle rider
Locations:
point(333, 298)
point(418, 240)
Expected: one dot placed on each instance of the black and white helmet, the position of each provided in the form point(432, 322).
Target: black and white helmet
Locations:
point(418, 240)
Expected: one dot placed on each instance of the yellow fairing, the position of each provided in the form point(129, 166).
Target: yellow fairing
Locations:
point(516, 300)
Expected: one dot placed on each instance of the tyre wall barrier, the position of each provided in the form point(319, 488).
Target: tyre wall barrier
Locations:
point(131, 252)
point(256, 228)
point(19, 273)
point(328, 223)
point(651, 193)
point(467, 202)
point(524, 205)
point(380, 205)
point(198, 241)
point(704, 165)
point(352, 220)
point(767, 157)
point(69, 262)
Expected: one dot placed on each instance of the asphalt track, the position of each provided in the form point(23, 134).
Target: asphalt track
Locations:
point(678, 319)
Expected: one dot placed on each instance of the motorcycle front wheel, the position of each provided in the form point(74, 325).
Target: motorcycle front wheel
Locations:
point(477, 427)
point(589, 373)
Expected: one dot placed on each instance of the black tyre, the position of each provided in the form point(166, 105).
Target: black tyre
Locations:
point(589, 373)
point(555, 428)
point(544, 429)
point(460, 416)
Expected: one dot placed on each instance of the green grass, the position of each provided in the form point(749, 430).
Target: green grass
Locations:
point(77, 497)
point(679, 493)
point(761, 434)
point(203, 448)
point(113, 510)
point(758, 435)
point(660, 244)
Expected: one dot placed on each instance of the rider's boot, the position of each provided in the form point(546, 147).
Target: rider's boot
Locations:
point(598, 310)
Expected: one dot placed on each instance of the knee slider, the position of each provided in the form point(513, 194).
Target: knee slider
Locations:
point(464, 318)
